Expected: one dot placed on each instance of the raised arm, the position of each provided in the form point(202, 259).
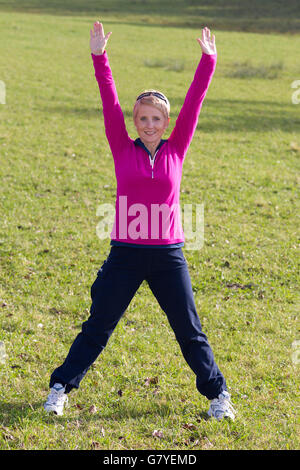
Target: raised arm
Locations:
point(186, 122)
point(114, 122)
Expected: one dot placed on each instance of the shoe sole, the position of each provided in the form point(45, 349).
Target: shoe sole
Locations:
point(49, 411)
point(227, 417)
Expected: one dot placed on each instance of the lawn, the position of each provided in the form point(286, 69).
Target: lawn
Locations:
point(56, 170)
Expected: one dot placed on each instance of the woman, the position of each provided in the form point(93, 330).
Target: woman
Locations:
point(146, 247)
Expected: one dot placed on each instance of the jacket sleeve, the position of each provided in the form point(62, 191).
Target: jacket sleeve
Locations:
point(186, 122)
point(114, 122)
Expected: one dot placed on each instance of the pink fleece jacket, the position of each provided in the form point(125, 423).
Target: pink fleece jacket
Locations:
point(148, 190)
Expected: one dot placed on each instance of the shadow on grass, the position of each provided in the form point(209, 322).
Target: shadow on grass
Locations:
point(14, 413)
point(248, 15)
point(216, 115)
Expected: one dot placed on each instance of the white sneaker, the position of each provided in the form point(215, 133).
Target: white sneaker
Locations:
point(221, 407)
point(56, 400)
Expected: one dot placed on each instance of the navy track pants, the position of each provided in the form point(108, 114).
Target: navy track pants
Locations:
point(166, 271)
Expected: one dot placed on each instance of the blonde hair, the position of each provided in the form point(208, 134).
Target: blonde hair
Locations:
point(155, 101)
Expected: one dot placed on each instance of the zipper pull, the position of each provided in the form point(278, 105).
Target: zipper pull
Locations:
point(152, 164)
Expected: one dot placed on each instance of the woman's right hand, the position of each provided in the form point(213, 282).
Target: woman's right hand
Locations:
point(98, 40)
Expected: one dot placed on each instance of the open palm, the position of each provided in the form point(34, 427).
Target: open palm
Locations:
point(98, 40)
point(207, 42)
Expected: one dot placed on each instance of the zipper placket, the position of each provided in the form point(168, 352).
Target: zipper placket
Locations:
point(152, 160)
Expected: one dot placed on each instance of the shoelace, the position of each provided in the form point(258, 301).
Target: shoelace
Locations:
point(56, 397)
point(220, 405)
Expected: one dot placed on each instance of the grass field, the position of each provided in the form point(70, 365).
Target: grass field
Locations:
point(56, 169)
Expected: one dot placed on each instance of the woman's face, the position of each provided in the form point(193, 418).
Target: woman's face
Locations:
point(150, 124)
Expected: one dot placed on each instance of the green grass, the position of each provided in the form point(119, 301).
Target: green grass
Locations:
point(166, 64)
point(234, 15)
point(56, 169)
point(247, 70)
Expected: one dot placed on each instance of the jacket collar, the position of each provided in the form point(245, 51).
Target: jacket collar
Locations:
point(140, 144)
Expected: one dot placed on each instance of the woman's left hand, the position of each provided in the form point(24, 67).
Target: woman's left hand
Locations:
point(207, 43)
